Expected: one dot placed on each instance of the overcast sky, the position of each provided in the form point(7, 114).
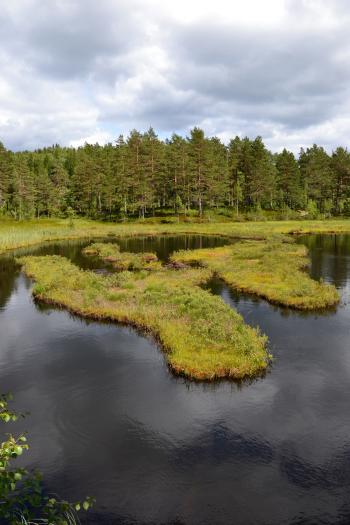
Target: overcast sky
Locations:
point(87, 70)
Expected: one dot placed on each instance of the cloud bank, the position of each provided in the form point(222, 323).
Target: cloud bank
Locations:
point(74, 71)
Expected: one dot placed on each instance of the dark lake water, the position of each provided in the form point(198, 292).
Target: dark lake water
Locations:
point(108, 419)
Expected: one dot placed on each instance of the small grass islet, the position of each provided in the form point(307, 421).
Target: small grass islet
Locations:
point(272, 269)
point(204, 339)
point(110, 252)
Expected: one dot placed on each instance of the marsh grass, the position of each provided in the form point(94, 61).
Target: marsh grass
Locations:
point(271, 269)
point(110, 252)
point(204, 338)
point(14, 234)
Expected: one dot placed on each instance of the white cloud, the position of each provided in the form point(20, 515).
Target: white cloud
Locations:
point(100, 137)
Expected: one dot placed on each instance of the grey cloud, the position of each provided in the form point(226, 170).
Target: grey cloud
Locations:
point(294, 79)
point(59, 56)
point(66, 40)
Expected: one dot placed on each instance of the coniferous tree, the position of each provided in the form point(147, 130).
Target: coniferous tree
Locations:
point(83, 182)
point(217, 175)
point(235, 174)
point(315, 165)
point(123, 181)
point(153, 160)
point(23, 189)
point(256, 164)
point(6, 173)
point(43, 188)
point(145, 175)
point(178, 169)
point(340, 164)
point(288, 183)
point(135, 173)
point(198, 166)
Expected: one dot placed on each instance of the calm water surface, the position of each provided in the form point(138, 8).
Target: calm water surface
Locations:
point(108, 419)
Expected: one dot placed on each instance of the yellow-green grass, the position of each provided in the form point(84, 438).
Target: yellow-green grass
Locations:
point(110, 252)
point(204, 339)
point(21, 234)
point(273, 270)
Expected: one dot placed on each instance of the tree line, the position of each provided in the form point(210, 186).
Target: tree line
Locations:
point(142, 175)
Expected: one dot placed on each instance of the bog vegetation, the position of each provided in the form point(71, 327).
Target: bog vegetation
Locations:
point(202, 336)
point(123, 260)
point(142, 175)
point(273, 269)
point(16, 234)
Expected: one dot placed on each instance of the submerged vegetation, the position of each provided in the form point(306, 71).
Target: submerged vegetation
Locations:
point(271, 269)
point(203, 337)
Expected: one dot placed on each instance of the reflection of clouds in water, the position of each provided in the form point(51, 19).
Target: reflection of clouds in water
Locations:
point(109, 419)
point(221, 445)
point(334, 473)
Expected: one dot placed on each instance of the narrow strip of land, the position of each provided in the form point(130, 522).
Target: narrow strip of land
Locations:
point(15, 234)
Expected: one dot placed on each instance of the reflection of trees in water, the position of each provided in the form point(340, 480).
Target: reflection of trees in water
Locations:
point(8, 272)
point(330, 257)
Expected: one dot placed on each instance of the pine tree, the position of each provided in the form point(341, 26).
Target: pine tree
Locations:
point(154, 172)
point(123, 182)
point(259, 173)
point(315, 166)
point(178, 176)
point(217, 175)
point(23, 189)
point(198, 166)
point(83, 182)
point(340, 164)
point(288, 183)
point(43, 187)
point(6, 173)
point(59, 182)
point(235, 174)
point(135, 173)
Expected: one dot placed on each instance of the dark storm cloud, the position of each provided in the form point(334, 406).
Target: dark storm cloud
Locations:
point(74, 70)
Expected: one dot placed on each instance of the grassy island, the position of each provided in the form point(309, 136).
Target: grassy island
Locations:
point(110, 252)
point(271, 269)
point(203, 338)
